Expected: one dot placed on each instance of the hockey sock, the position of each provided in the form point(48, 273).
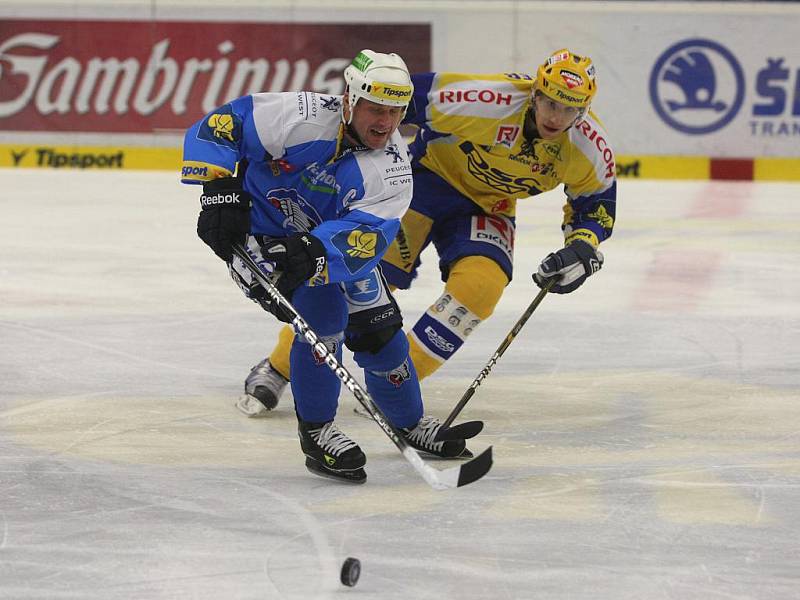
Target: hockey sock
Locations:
point(279, 359)
point(314, 386)
point(473, 289)
point(392, 381)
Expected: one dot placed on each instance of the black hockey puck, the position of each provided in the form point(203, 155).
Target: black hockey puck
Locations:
point(351, 570)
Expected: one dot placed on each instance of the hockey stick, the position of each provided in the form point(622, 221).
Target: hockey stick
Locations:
point(495, 357)
point(461, 475)
point(462, 431)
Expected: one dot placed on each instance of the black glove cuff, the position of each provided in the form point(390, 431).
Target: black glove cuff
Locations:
point(316, 253)
point(227, 192)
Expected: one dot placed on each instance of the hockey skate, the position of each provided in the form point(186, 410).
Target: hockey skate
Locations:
point(330, 453)
point(262, 390)
point(422, 438)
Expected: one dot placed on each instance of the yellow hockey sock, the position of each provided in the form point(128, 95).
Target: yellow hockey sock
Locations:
point(279, 359)
point(472, 291)
point(424, 363)
point(478, 283)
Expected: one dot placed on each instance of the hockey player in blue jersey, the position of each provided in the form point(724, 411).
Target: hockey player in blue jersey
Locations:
point(314, 186)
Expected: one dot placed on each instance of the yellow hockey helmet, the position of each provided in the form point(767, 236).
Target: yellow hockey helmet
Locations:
point(567, 78)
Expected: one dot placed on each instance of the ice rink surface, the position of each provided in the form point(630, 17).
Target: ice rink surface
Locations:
point(646, 428)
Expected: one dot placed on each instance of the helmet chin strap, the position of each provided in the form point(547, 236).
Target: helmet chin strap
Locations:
point(529, 129)
point(346, 103)
point(351, 133)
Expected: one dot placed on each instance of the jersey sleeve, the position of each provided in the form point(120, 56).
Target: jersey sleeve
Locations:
point(354, 244)
point(251, 127)
point(590, 185)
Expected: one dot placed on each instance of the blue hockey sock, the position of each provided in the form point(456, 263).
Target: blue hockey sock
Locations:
point(392, 381)
point(314, 386)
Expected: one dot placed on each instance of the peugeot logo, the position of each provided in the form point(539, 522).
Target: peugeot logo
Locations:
point(697, 86)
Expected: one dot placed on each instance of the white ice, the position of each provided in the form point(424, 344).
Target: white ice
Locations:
point(646, 428)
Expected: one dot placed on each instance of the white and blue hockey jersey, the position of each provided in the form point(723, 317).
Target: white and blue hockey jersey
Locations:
point(303, 178)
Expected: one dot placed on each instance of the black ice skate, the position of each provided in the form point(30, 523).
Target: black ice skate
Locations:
point(330, 453)
point(422, 438)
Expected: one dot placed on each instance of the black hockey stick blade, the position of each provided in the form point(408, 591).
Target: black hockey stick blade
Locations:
point(462, 431)
point(476, 468)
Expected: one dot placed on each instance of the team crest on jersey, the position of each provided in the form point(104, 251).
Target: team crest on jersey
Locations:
point(602, 217)
point(333, 347)
point(507, 135)
point(300, 215)
point(495, 178)
point(222, 127)
point(397, 376)
point(359, 246)
point(363, 292)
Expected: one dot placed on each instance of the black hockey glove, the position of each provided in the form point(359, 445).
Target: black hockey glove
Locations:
point(298, 258)
point(225, 216)
point(570, 266)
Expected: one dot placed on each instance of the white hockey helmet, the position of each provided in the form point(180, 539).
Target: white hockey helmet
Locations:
point(380, 78)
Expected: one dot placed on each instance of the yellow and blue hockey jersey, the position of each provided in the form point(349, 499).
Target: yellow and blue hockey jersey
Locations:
point(471, 135)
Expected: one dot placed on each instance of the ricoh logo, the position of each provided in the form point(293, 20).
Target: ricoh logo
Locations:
point(485, 96)
point(600, 143)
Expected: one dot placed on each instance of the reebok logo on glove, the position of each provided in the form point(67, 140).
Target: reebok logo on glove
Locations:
point(232, 198)
point(320, 260)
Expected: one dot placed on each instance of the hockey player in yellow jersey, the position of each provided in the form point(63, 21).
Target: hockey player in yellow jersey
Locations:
point(484, 142)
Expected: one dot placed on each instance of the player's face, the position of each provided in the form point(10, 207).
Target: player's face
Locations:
point(553, 118)
point(375, 123)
